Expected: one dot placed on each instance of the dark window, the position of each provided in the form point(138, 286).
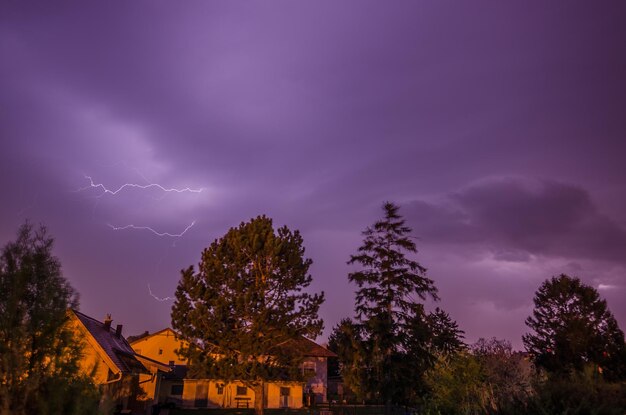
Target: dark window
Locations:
point(242, 390)
point(171, 363)
point(176, 390)
point(284, 391)
point(220, 388)
point(308, 369)
point(160, 351)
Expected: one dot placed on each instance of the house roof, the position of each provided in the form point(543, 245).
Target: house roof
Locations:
point(312, 349)
point(146, 335)
point(116, 348)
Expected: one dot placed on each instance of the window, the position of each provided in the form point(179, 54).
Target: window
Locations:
point(242, 390)
point(284, 391)
point(160, 351)
point(220, 388)
point(176, 390)
point(171, 363)
point(308, 369)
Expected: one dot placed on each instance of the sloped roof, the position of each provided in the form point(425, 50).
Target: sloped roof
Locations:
point(146, 335)
point(312, 349)
point(116, 348)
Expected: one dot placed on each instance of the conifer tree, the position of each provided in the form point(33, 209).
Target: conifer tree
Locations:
point(244, 310)
point(573, 327)
point(39, 352)
point(388, 307)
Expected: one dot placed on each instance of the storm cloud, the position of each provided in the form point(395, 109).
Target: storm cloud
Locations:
point(498, 127)
point(515, 218)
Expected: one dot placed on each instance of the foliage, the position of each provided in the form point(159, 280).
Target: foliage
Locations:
point(456, 386)
point(39, 352)
point(393, 340)
point(507, 374)
point(244, 310)
point(346, 340)
point(573, 327)
point(582, 393)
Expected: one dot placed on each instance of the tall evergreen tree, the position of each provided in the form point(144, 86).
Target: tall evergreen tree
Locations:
point(244, 310)
point(39, 352)
point(573, 327)
point(388, 307)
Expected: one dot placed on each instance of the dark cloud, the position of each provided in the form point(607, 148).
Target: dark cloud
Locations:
point(516, 217)
point(314, 114)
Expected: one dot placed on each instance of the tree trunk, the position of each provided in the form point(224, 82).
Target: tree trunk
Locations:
point(259, 397)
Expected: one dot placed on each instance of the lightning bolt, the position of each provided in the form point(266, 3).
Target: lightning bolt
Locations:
point(148, 228)
point(106, 190)
point(162, 299)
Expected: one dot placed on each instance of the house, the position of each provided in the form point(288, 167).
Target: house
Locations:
point(203, 393)
point(315, 370)
point(162, 346)
point(113, 364)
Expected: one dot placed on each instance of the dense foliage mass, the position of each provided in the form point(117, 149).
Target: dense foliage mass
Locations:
point(243, 311)
point(573, 328)
point(39, 353)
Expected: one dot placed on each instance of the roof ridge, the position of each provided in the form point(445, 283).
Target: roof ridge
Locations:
point(153, 334)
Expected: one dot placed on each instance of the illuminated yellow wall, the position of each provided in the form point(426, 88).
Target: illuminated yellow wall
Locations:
point(92, 362)
point(200, 392)
point(160, 346)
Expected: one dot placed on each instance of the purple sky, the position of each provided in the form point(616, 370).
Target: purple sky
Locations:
point(499, 127)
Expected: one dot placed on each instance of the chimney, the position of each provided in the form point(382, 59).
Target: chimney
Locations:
point(118, 331)
point(107, 322)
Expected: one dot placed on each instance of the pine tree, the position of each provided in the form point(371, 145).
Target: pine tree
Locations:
point(39, 352)
point(573, 327)
point(390, 286)
point(244, 309)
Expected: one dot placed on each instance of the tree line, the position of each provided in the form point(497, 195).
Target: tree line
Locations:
point(243, 309)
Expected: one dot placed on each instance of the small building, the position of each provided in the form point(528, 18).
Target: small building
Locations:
point(112, 363)
point(211, 393)
point(315, 370)
point(163, 345)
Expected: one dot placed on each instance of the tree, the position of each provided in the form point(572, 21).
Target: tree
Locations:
point(455, 386)
point(391, 318)
point(244, 310)
point(574, 328)
point(39, 352)
point(346, 340)
point(506, 374)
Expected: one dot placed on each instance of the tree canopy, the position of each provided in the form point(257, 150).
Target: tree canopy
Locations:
point(39, 353)
point(573, 327)
point(245, 308)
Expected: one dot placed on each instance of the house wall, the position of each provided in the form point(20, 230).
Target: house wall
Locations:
point(318, 382)
point(160, 346)
point(199, 393)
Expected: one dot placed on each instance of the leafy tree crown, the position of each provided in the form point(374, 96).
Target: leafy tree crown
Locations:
point(572, 326)
point(245, 307)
